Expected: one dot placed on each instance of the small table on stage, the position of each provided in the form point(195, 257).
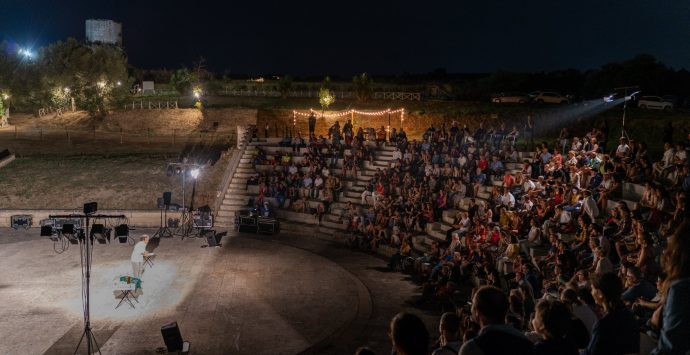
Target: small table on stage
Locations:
point(148, 259)
point(127, 290)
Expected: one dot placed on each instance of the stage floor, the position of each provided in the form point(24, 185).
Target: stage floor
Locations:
point(280, 294)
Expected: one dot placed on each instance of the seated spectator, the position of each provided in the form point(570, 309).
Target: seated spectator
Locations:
point(617, 332)
point(489, 308)
point(675, 314)
point(409, 335)
point(552, 321)
point(449, 329)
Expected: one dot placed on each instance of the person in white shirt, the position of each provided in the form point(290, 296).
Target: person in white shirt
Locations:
point(623, 150)
point(138, 256)
point(665, 163)
point(507, 199)
point(589, 206)
point(397, 154)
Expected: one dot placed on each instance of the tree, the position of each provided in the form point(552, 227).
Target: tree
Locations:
point(95, 75)
point(284, 85)
point(181, 80)
point(363, 86)
point(326, 98)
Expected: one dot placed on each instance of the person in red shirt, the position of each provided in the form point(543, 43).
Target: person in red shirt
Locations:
point(508, 180)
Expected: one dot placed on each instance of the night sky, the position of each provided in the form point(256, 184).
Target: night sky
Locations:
point(381, 37)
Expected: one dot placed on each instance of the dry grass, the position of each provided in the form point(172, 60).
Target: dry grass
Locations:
point(124, 182)
point(62, 163)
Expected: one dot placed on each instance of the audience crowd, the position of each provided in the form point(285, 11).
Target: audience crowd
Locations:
point(549, 255)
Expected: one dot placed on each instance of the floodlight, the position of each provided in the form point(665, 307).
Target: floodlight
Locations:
point(26, 53)
point(194, 173)
point(631, 96)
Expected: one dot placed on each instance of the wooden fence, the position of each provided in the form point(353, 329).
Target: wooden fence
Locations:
point(398, 96)
point(150, 105)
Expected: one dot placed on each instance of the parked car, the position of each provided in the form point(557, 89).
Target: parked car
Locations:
point(505, 98)
point(654, 102)
point(547, 97)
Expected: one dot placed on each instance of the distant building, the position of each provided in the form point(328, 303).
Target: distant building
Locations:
point(103, 31)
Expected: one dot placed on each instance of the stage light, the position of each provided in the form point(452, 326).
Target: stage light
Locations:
point(46, 231)
point(631, 96)
point(194, 173)
point(99, 231)
point(122, 233)
point(90, 208)
point(70, 232)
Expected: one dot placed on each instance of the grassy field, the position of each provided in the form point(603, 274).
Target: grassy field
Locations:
point(116, 182)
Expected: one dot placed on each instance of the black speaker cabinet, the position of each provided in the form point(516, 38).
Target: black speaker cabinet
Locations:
point(90, 208)
point(167, 197)
point(172, 337)
point(160, 203)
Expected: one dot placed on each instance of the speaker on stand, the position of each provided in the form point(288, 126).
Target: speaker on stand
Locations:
point(163, 204)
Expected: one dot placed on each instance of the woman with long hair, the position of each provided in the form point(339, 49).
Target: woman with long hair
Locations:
point(616, 333)
point(674, 337)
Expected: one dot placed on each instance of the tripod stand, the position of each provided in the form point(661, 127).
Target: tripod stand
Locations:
point(86, 251)
point(163, 230)
point(186, 228)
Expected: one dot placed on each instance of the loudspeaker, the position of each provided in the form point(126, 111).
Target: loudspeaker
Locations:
point(160, 203)
point(167, 197)
point(211, 238)
point(172, 337)
point(90, 207)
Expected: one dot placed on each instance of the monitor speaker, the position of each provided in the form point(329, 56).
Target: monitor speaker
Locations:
point(167, 197)
point(211, 238)
point(172, 337)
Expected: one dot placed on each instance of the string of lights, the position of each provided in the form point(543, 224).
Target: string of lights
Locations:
point(350, 112)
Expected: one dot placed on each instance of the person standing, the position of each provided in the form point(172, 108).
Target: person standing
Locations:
point(138, 256)
point(312, 124)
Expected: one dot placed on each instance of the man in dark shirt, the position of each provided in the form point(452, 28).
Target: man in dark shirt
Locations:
point(638, 287)
point(489, 309)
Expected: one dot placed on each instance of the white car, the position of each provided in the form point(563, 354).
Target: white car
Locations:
point(505, 98)
point(542, 97)
point(654, 102)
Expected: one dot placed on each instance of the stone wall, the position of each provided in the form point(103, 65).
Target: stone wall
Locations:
point(137, 218)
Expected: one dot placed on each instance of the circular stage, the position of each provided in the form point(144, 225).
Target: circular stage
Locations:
point(250, 296)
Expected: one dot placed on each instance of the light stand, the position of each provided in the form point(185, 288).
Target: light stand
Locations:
point(624, 133)
point(86, 251)
point(187, 221)
point(163, 230)
point(183, 168)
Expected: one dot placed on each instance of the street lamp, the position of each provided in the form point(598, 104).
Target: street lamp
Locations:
point(194, 173)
